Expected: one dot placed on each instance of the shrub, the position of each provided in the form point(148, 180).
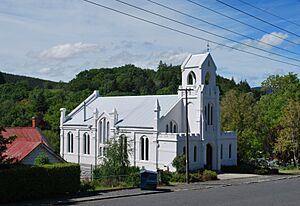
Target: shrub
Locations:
point(165, 177)
point(41, 159)
point(209, 175)
point(87, 185)
point(178, 177)
point(179, 163)
point(38, 181)
point(195, 177)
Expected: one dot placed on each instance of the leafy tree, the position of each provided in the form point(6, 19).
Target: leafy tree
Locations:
point(41, 159)
point(116, 160)
point(179, 163)
point(239, 113)
point(4, 141)
point(288, 143)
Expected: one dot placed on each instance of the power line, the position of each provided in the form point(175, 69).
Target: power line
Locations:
point(272, 14)
point(255, 17)
point(205, 31)
point(187, 34)
point(229, 30)
point(241, 22)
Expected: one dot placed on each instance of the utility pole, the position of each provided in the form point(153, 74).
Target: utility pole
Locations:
point(187, 163)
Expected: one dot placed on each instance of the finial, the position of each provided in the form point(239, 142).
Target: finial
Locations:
point(207, 47)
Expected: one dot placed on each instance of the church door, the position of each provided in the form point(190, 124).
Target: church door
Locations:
point(209, 156)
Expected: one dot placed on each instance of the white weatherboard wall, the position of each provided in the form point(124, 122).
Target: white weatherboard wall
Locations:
point(146, 117)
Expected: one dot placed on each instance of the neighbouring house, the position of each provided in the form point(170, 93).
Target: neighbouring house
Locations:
point(154, 125)
point(29, 143)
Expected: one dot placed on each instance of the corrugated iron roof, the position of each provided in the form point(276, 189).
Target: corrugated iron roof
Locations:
point(27, 139)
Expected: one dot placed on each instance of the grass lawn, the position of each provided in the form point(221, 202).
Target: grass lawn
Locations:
point(290, 171)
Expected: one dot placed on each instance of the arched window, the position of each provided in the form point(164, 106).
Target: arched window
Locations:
point(171, 126)
point(207, 78)
point(107, 131)
point(104, 130)
point(195, 153)
point(100, 151)
point(100, 132)
point(191, 78)
point(208, 114)
point(229, 151)
point(211, 115)
point(175, 128)
point(221, 151)
point(70, 142)
point(86, 143)
point(167, 128)
point(142, 149)
point(147, 149)
point(183, 150)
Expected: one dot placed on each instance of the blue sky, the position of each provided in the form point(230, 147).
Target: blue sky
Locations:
point(56, 39)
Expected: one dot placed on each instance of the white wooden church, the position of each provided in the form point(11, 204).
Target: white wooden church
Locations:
point(154, 125)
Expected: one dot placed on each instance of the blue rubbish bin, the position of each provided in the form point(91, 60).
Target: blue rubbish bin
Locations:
point(148, 180)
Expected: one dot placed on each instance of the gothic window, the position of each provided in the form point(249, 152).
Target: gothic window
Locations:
point(70, 142)
point(172, 127)
point(86, 143)
point(147, 148)
point(144, 148)
point(175, 128)
point(207, 78)
point(167, 128)
point(100, 132)
point(195, 153)
point(229, 151)
point(221, 151)
point(191, 78)
point(107, 131)
point(210, 114)
point(104, 130)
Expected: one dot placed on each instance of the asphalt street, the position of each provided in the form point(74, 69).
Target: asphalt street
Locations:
point(275, 193)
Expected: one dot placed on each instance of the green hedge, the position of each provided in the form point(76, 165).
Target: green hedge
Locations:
point(38, 181)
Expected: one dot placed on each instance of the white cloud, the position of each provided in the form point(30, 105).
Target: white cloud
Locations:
point(66, 51)
point(45, 70)
point(274, 38)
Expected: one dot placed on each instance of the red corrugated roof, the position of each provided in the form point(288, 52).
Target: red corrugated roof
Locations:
point(27, 139)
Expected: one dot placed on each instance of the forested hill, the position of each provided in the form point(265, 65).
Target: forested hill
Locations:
point(32, 82)
point(21, 97)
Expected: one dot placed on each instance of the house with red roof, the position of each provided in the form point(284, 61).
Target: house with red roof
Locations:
point(29, 143)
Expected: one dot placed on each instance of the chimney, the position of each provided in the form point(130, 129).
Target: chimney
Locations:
point(34, 123)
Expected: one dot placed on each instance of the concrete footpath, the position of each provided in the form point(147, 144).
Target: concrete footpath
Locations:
point(225, 180)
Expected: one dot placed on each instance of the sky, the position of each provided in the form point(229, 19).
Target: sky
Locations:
point(56, 39)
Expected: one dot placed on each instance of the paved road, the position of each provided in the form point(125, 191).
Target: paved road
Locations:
point(275, 193)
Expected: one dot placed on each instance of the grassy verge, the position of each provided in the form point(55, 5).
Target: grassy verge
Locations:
point(295, 171)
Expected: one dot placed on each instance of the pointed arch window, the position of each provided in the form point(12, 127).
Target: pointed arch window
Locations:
point(107, 131)
point(195, 153)
point(70, 142)
point(191, 80)
point(167, 128)
point(144, 148)
point(86, 143)
point(229, 151)
point(100, 132)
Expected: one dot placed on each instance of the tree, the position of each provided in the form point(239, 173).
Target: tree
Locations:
point(179, 163)
point(239, 113)
point(288, 143)
point(4, 141)
point(41, 159)
point(116, 160)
